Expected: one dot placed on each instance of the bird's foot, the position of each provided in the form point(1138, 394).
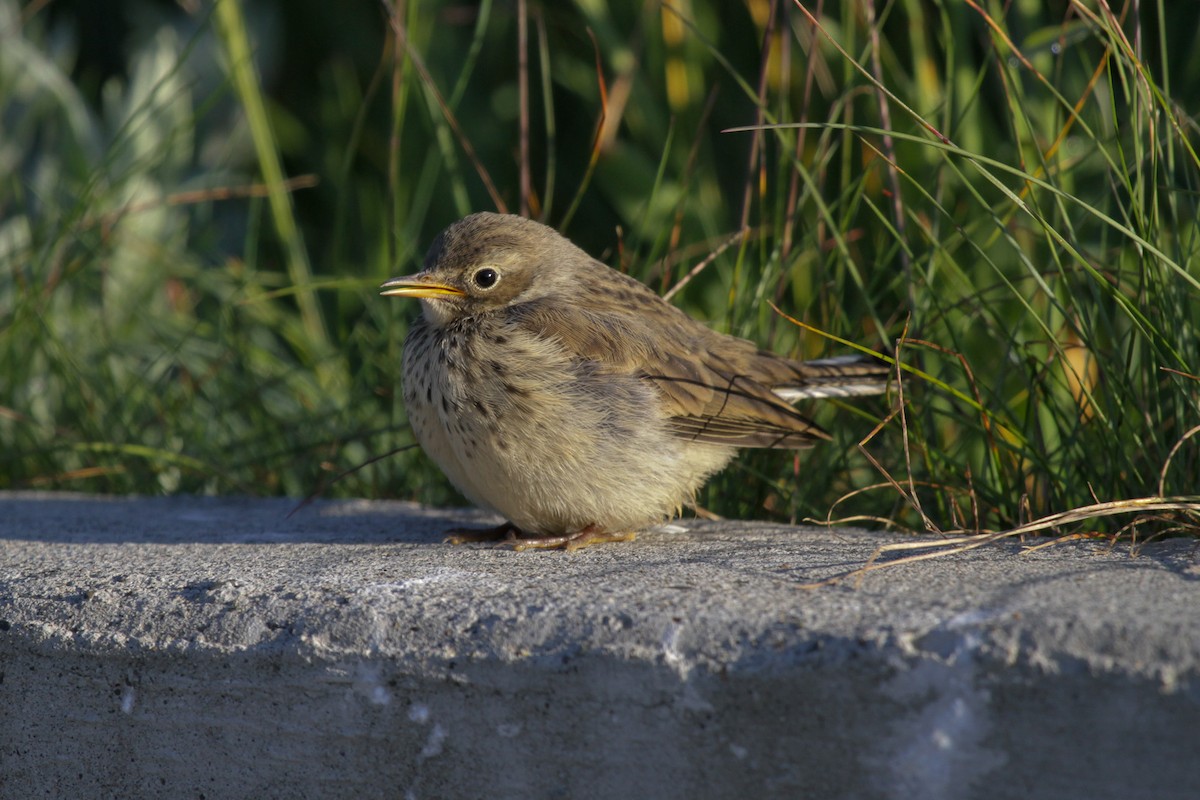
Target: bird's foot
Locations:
point(509, 535)
point(592, 534)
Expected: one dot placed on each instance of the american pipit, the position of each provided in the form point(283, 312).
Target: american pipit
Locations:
point(572, 399)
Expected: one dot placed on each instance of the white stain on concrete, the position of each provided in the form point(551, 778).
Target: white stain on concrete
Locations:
point(128, 699)
point(433, 745)
point(675, 658)
point(938, 748)
point(508, 730)
point(419, 713)
point(370, 683)
point(672, 655)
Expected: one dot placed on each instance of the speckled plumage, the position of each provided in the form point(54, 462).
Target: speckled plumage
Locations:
point(570, 398)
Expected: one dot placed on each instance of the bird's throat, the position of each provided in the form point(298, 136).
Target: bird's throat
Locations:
point(438, 313)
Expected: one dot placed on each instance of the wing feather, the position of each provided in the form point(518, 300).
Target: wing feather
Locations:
point(703, 378)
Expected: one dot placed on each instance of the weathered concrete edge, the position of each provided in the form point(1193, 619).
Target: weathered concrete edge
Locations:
point(848, 694)
point(845, 719)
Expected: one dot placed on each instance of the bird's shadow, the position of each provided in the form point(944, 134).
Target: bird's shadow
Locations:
point(89, 519)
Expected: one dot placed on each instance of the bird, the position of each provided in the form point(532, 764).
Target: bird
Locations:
point(572, 400)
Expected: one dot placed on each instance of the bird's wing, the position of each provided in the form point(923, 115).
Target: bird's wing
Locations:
point(710, 402)
point(695, 370)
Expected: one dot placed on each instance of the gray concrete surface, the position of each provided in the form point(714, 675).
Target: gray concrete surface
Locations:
point(214, 648)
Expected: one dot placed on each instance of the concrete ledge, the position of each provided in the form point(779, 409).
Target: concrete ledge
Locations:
point(192, 647)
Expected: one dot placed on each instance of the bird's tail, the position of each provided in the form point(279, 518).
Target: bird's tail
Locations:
point(840, 376)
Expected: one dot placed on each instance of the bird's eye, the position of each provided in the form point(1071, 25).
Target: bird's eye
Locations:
point(486, 278)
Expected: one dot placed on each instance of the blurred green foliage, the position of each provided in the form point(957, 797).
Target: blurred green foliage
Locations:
point(1003, 193)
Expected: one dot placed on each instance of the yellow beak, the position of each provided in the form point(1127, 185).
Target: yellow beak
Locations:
point(418, 286)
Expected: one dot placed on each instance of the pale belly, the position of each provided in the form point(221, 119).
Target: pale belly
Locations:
point(551, 444)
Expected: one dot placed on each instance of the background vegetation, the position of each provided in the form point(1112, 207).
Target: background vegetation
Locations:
point(199, 199)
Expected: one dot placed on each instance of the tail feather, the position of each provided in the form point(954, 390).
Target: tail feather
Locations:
point(839, 376)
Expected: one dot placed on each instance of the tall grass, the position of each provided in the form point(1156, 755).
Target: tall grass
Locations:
point(1002, 195)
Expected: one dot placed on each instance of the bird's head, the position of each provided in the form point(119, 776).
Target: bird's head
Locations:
point(486, 262)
